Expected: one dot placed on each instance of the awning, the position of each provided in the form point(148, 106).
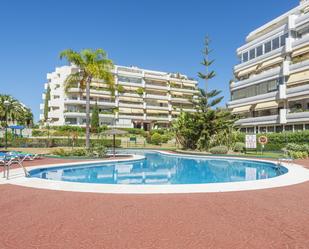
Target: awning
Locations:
point(300, 51)
point(302, 97)
point(241, 109)
point(266, 105)
point(246, 71)
point(271, 62)
point(298, 77)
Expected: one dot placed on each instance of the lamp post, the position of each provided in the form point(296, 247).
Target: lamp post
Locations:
point(6, 105)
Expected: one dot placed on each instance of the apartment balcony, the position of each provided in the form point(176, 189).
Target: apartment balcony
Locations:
point(254, 100)
point(125, 83)
point(184, 90)
point(133, 95)
point(186, 109)
point(54, 102)
point(300, 66)
point(140, 106)
point(162, 77)
point(126, 116)
point(265, 120)
point(159, 118)
point(298, 117)
point(92, 91)
point(301, 20)
point(154, 96)
point(156, 87)
point(297, 91)
point(83, 102)
point(75, 114)
point(267, 75)
point(180, 100)
point(134, 72)
point(272, 54)
point(300, 42)
point(156, 107)
point(54, 114)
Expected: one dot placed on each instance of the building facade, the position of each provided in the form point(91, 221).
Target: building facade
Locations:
point(271, 88)
point(143, 98)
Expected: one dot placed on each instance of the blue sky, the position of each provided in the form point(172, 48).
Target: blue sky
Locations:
point(162, 35)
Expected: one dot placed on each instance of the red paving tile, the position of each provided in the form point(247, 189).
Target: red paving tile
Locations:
point(273, 218)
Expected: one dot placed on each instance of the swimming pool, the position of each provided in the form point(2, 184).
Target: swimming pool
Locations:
point(163, 169)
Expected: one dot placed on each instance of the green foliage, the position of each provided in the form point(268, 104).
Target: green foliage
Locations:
point(134, 131)
point(219, 150)
point(15, 112)
point(277, 141)
point(95, 121)
point(93, 65)
point(94, 151)
point(156, 139)
point(120, 88)
point(239, 147)
point(140, 91)
point(165, 138)
point(39, 133)
point(47, 99)
point(298, 154)
point(59, 142)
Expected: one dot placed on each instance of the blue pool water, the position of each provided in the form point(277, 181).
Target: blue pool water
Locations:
point(164, 169)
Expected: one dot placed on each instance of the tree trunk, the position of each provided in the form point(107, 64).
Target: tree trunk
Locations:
point(88, 113)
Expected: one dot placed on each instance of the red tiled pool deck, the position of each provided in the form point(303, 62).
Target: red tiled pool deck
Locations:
point(271, 218)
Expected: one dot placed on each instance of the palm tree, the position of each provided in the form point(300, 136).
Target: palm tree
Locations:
point(16, 111)
point(92, 64)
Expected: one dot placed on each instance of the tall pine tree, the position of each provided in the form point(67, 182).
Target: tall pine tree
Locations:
point(207, 62)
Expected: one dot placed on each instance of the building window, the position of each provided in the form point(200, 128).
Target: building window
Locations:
point(283, 39)
point(267, 47)
point(276, 43)
point(307, 126)
point(288, 128)
point(245, 57)
point(250, 130)
point(298, 127)
point(270, 129)
point(263, 129)
point(259, 50)
point(252, 54)
point(279, 128)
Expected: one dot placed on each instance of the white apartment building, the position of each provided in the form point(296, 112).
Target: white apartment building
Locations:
point(143, 98)
point(271, 88)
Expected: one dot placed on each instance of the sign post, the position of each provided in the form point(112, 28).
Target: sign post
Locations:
point(250, 142)
point(263, 140)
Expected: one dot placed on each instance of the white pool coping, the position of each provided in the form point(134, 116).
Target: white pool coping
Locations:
point(296, 174)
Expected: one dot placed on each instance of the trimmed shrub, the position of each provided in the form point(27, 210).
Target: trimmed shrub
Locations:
point(156, 139)
point(39, 133)
point(60, 142)
point(219, 150)
point(239, 147)
point(165, 138)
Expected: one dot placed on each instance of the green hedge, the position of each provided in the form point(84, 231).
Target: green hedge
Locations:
point(59, 142)
point(277, 141)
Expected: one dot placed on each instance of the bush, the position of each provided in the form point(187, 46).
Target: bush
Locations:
point(298, 154)
point(95, 151)
point(156, 139)
point(277, 141)
point(165, 138)
point(239, 147)
point(39, 133)
point(219, 150)
point(134, 131)
point(60, 142)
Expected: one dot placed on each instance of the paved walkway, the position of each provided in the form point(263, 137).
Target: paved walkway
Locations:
point(272, 218)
